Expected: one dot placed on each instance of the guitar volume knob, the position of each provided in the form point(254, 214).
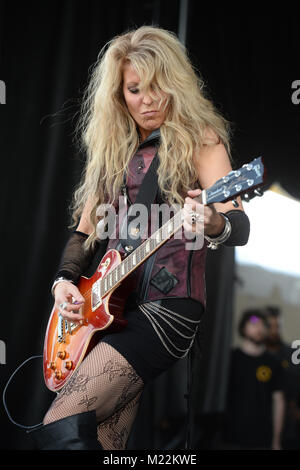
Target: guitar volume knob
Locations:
point(61, 354)
point(58, 374)
point(69, 365)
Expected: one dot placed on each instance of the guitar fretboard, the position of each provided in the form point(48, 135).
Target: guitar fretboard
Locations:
point(138, 256)
point(236, 182)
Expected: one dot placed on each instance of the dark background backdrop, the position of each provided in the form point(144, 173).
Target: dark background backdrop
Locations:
point(248, 58)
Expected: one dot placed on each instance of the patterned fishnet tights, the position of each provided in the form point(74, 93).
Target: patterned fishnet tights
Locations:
point(107, 383)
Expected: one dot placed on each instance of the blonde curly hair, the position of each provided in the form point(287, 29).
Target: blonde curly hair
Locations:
point(108, 134)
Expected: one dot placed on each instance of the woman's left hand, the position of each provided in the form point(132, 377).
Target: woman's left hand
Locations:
point(209, 219)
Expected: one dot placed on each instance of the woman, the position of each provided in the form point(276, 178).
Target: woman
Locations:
point(143, 100)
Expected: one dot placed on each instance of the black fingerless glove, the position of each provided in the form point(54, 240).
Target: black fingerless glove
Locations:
point(240, 228)
point(75, 260)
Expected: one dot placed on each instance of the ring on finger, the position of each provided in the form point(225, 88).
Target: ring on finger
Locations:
point(63, 305)
point(195, 216)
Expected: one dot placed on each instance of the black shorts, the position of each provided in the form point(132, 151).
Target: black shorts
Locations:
point(150, 349)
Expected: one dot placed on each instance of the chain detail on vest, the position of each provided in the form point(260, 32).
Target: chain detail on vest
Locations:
point(151, 307)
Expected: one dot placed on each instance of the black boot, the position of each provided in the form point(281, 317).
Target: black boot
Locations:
point(77, 432)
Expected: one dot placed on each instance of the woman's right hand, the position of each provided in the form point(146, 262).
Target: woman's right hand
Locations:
point(66, 291)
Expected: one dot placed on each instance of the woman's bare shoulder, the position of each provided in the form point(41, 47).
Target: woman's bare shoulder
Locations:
point(85, 224)
point(211, 137)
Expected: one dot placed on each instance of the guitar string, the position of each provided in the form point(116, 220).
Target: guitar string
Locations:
point(131, 254)
point(87, 293)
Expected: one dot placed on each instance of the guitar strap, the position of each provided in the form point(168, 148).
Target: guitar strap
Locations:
point(146, 196)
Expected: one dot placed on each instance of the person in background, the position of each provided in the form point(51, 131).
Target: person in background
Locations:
point(255, 401)
point(291, 372)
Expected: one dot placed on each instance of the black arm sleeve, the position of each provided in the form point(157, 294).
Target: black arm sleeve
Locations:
point(74, 260)
point(240, 228)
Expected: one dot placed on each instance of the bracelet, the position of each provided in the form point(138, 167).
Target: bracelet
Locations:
point(215, 242)
point(59, 279)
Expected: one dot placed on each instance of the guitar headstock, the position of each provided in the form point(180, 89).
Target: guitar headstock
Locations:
point(238, 182)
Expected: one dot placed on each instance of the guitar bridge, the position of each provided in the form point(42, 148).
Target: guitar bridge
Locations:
point(63, 327)
point(60, 329)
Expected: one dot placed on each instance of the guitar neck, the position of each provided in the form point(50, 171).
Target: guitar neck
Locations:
point(141, 253)
point(236, 182)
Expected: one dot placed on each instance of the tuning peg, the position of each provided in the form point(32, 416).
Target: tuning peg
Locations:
point(258, 192)
point(246, 197)
point(235, 203)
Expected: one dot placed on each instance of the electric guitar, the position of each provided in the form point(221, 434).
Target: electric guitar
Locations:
point(106, 291)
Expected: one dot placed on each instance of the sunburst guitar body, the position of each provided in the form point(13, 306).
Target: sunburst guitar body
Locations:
point(66, 344)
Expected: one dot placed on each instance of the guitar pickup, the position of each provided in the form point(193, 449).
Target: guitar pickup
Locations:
point(96, 295)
